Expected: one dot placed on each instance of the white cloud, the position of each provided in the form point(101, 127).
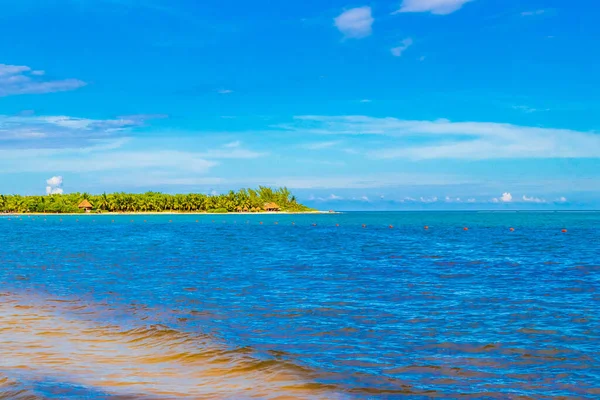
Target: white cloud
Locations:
point(397, 51)
point(561, 200)
point(225, 91)
point(350, 151)
point(331, 197)
point(449, 199)
point(55, 181)
point(505, 198)
point(231, 145)
point(529, 110)
point(29, 131)
point(533, 200)
point(163, 178)
point(456, 140)
point(107, 161)
point(20, 79)
point(320, 145)
point(471, 200)
point(355, 23)
point(364, 198)
point(366, 101)
point(440, 7)
point(355, 181)
point(531, 13)
point(54, 185)
point(50, 190)
point(237, 153)
point(140, 118)
point(428, 199)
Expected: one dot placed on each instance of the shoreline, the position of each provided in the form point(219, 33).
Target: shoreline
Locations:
point(172, 213)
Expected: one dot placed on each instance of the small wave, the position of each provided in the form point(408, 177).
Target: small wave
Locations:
point(154, 360)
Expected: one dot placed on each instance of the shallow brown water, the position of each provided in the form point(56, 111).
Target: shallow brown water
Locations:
point(37, 342)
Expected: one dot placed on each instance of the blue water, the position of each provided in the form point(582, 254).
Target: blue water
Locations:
point(368, 312)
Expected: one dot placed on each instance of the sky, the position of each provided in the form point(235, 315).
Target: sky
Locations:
point(381, 105)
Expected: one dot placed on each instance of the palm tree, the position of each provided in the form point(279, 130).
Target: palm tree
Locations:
point(243, 200)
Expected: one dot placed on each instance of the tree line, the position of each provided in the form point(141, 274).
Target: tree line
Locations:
point(244, 200)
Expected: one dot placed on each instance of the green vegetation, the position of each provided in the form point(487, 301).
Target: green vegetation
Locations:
point(247, 200)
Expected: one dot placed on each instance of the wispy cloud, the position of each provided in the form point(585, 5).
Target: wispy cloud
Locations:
point(449, 199)
point(440, 7)
point(232, 145)
point(235, 153)
point(532, 13)
point(397, 51)
point(224, 91)
point(20, 79)
point(143, 117)
point(331, 197)
point(320, 145)
point(428, 200)
point(529, 110)
point(29, 131)
point(456, 140)
point(119, 160)
point(355, 23)
point(527, 199)
point(231, 150)
point(366, 101)
point(80, 145)
point(354, 181)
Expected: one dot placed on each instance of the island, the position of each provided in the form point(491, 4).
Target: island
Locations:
point(263, 199)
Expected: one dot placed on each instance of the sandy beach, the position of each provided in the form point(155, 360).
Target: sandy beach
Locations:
point(173, 213)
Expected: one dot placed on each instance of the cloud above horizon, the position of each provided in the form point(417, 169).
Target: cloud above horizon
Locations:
point(531, 13)
point(21, 79)
point(527, 199)
point(397, 51)
point(454, 140)
point(321, 145)
point(355, 23)
point(59, 131)
point(54, 185)
point(439, 7)
point(64, 144)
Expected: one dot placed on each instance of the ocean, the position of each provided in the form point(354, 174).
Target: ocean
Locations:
point(328, 306)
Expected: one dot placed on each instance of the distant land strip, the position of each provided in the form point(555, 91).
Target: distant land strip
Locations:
point(263, 199)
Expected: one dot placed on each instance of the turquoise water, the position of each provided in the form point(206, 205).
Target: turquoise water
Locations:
point(303, 310)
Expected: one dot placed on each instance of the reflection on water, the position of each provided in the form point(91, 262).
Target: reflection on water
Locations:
point(235, 310)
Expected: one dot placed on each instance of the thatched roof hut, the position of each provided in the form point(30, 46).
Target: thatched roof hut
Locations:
point(272, 207)
point(85, 205)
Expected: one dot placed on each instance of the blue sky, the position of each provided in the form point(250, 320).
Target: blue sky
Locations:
point(414, 104)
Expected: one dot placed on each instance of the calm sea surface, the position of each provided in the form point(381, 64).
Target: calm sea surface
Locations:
point(222, 307)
